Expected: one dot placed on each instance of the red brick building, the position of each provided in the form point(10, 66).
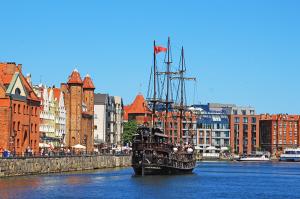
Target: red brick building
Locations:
point(79, 103)
point(138, 111)
point(279, 132)
point(19, 111)
point(244, 133)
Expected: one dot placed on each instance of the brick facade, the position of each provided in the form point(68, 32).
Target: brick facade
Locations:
point(19, 111)
point(244, 133)
point(279, 132)
point(79, 103)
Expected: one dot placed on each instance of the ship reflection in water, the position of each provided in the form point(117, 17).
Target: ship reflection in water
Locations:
point(209, 180)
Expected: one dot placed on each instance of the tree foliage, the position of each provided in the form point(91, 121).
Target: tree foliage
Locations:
point(130, 128)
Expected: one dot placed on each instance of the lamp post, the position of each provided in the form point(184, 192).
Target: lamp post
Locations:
point(85, 142)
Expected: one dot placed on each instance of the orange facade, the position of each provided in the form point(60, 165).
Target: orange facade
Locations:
point(279, 132)
point(244, 133)
point(19, 111)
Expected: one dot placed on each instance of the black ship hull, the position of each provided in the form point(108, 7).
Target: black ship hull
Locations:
point(161, 170)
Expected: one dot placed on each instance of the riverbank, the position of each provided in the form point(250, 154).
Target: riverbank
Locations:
point(45, 165)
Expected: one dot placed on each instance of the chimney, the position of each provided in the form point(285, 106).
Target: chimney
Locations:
point(28, 78)
point(20, 67)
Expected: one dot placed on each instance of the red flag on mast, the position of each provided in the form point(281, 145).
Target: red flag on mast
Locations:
point(158, 49)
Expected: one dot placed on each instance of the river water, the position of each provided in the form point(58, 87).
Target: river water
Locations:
point(226, 180)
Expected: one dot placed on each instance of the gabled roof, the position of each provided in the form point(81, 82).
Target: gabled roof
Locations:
point(88, 83)
point(9, 73)
point(139, 106)
point(100, 99)
point(75, 78)
point(16, 80)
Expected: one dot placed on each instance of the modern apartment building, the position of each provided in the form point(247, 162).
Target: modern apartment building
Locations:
point(244, 128)
point(212, 127)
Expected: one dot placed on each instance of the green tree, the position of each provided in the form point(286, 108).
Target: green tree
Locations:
point(129, 131)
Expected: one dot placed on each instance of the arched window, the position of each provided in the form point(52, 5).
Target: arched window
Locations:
point(18, 91)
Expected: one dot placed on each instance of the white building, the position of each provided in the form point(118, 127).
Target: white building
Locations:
point(100, 104)
point(108, 120)
point(52, 115)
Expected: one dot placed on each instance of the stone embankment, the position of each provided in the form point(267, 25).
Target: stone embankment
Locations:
point(44, 165)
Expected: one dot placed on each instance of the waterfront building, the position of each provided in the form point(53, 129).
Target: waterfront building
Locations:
point(52, 115)
point(79, 103)
point(243, 125)
point(138, 111)
point(172, 126)
point(118, 120)
point(19, 111)
point(108, 119)
point(244, 129)
point(279, 132)
point(100, 106)
point(212, 127)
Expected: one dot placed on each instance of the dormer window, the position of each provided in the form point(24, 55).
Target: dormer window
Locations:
point(18, 91)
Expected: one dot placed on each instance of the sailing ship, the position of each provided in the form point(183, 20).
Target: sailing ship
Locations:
point(154, 149)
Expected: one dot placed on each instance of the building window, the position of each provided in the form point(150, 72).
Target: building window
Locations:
point(234, 112)
point(18, 143)
point(243, 112)
point(226, 134)
point(253, 119)
point(18, 126)
point(237, 120)
point(15, 108)
point(245, 120)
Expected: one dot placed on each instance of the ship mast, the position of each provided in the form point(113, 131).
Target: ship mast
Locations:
point(182, 79)
point(168, 75)
point(154, 100)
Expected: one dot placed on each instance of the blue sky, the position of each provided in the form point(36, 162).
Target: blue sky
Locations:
point(242, 52)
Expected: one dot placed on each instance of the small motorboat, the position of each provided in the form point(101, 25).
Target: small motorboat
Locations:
point(256, 157)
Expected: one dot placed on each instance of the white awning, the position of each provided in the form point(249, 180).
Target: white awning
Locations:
point(44, 145)
point(224, 148)
point(78, 146)
point(212, 148)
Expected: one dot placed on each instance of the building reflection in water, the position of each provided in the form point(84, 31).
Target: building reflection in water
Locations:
point(15, 186)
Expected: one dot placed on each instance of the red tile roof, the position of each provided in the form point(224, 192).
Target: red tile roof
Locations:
point(7, 70)
point(56, 93)
point(88, 83)
point(75, 78)
point(139, 106)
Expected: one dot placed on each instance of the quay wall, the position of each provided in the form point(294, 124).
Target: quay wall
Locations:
point(44, 165)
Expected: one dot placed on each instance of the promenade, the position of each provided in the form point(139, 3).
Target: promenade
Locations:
point(33, 165)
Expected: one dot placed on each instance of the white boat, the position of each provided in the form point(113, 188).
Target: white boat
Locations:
point(256, 157)
point(290, 155)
